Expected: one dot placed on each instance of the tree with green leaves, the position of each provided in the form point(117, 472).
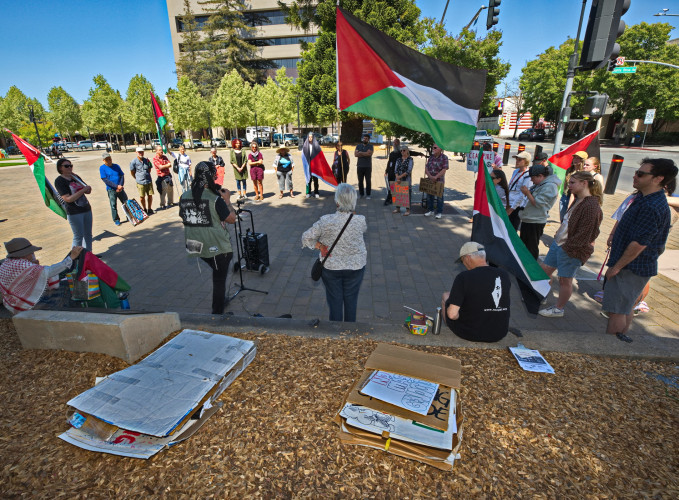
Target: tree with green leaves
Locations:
point(138, 100)
point(188, 109)
point(286, 98)
point(101, 110)
point(64, 111)
point(233, 104)
point(652, 86)
point(14, 109)
point(224, 47)
point(543, 80)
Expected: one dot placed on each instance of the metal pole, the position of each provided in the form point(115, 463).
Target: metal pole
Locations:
point(35, 123)
point(644, 139)
point(569, 84)
point(122, 134)
point(256, 130)
point(298, 115)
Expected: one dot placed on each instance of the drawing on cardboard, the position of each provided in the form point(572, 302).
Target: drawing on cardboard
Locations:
point(373, 418)
point(407, 392)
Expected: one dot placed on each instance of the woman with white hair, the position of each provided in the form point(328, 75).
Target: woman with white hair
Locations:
point(344, 268)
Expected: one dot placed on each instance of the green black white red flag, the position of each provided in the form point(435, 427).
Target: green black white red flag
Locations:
point(491, 228)
point(561, 161)
point(380, 77)
point(36, 161)
point(160, 120)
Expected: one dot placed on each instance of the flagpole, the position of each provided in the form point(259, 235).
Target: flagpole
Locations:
point(337, 77)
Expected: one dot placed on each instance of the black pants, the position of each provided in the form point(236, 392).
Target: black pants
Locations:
point(531, 232)
point(391, 177)
point(364, 174)
point(515, 219)
point(313, 180)
point(220, 269)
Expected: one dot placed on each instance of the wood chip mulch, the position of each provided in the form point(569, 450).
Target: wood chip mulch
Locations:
point(598, 428)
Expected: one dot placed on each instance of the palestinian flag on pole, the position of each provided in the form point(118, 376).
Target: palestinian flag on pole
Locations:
point(561, 161)
point(380, 77)
point(159, 119)
point(36, 161)
point(315, 163)
point(491, 228)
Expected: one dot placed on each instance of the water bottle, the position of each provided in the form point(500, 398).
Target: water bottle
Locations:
point(124, 303)
point(437, 322)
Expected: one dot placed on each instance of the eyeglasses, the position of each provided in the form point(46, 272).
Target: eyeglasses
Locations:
point(67, 166)
point(641, 173)
point(223, 190)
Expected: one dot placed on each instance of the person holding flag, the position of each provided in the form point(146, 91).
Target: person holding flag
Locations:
point(315, 164)
point(164, 180)
point(78, 210)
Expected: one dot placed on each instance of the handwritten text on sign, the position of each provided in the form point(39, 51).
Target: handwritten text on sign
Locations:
point(400, 194)
point(407, 392)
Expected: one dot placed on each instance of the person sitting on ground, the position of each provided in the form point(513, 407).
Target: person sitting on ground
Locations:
point(477, 306)
point(573, 242)
point(23, 281)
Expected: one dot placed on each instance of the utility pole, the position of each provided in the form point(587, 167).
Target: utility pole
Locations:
point(572, 63)
point(31, 116)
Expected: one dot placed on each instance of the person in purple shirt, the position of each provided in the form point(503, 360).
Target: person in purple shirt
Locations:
point(113, 177)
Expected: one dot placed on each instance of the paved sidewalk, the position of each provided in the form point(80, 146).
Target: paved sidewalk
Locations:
point(410, 259)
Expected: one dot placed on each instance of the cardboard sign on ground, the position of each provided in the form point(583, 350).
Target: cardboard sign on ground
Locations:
point(431, 187)
point(444, 413)
point(161, 398)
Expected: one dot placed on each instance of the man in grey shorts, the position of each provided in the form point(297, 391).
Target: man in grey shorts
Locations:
point(638, 241)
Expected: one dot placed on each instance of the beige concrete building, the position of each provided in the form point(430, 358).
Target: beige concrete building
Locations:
point(275, 40)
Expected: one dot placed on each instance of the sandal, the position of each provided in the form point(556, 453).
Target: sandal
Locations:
point(291, 195)
point(396, 210)
point(406, 213)
point(280, 195)
point(623, 337)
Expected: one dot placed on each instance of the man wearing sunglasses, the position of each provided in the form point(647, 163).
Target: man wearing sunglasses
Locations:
point(639, 239)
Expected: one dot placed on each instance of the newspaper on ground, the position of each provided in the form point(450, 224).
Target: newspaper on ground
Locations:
point(531, 360)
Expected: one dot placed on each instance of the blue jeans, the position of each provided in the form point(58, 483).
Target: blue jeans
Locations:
point(240, 182)
point(563, 205)
point(439, 203)
point(113, 197)
point(341, 292)
point(81, 225)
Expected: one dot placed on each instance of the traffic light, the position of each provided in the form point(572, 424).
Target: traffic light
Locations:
point(493, 12)
point(603, 28)
point(612, 64)
point(595, 106)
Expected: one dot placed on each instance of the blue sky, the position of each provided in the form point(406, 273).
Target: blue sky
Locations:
point(50, 43)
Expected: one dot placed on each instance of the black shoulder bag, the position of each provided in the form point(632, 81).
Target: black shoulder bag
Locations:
point(317, 269)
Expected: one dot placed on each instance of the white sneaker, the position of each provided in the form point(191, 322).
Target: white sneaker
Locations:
point(438, 216)
point(317, 195)
point(308, 196)
point(367, 197)
point(551, 312)
point(431, 212)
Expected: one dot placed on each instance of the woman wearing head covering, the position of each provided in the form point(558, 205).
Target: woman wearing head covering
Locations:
point(205, 214)
point(239, 162)
point(256, 163)
point(402, 173)
point(573, 242)
point(78, 210)
point(23, 281)
point(284, 166)
point(344, 268)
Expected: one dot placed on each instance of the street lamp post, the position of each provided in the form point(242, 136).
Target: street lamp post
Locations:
point(31, 116)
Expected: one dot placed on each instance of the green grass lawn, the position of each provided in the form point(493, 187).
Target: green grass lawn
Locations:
point(11, 162)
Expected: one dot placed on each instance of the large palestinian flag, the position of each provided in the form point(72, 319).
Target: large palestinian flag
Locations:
point(380, 77)
point(491, 228)
point(36, 161)
point(561, 161)
point(315, 163)
point(160, 120)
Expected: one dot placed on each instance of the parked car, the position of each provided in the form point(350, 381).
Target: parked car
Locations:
point(243, 140)
point(532, 134)
point(176, 142)
point(83, 145)
point(482, 136)
point(218, 143)
point(330, 139)
point(197, 143)
point(263, 142)
point(286, 139)
point(101, 145)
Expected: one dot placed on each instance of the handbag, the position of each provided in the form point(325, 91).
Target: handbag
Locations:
point(175, 166)
point(317, 268)
point(85, 289)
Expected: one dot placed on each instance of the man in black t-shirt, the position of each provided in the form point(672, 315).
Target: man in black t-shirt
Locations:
point(477, 306)
point(391, 164)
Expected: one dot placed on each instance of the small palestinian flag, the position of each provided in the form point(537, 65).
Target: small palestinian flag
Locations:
point(160, 120)
point(36, 161)
point(380, 77)
point(491, 228)
point(561, 161)
point(90, 263)
point(315, 163)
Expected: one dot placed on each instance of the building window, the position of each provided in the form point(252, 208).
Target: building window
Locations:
point(290, 40)
point(286, 63)
point(201, 21)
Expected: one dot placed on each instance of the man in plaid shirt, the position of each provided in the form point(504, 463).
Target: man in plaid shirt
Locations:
point(638, 241)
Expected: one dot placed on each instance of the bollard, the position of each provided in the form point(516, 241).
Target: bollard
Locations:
point(496, 146)
point(613, 174)
point(505, 156)
point(476, 146)
point(538, 149)
point(522, 148)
